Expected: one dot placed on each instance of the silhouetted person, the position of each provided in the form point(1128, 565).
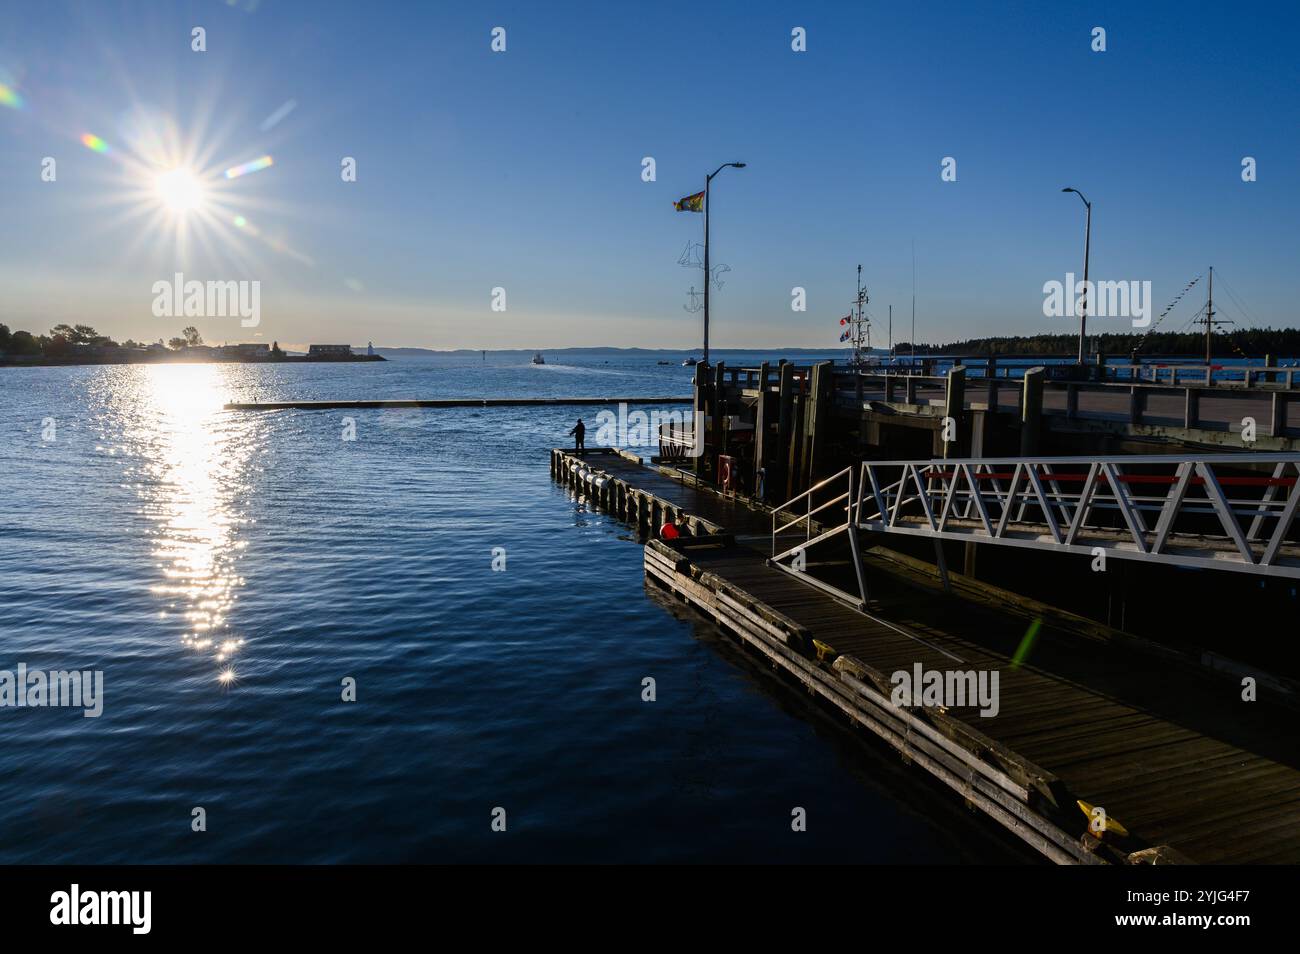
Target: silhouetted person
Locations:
point(579, 432)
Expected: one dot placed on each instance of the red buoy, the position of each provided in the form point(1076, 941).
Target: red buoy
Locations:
point(668, 532)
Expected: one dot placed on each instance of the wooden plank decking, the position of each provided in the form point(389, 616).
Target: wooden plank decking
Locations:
point(1172, 753)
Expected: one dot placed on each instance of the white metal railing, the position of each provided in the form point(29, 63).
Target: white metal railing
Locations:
point(836, 514)
point(1212, 510)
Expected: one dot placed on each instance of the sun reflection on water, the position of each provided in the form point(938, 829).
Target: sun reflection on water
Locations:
point(195, 458)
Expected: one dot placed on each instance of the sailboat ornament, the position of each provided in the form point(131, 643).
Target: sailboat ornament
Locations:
point(857, 329)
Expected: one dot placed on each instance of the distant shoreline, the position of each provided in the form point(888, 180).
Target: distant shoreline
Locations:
point(42, 361)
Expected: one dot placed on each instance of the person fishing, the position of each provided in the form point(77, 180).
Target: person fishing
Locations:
point(578, 433)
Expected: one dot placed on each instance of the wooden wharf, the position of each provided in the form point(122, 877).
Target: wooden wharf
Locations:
point(1185, 770)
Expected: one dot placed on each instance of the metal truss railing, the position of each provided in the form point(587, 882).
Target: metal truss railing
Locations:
point(1220, 511)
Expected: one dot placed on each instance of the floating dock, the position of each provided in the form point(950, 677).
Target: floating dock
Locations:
point(448, 402)
point(1184, 769)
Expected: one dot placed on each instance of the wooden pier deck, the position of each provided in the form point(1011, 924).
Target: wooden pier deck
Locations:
point(1170, 752)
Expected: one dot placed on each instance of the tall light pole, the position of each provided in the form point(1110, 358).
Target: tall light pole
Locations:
point(708, 277)
point(1087, 242)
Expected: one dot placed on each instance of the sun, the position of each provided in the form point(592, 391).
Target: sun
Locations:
point(180, 190)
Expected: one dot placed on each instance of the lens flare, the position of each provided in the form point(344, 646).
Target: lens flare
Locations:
point(93, 143)
point(234, 172)
point(10, 97)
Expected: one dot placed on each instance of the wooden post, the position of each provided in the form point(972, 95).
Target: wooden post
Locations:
point(1136, 398)
point(1031, 411)
point(794, 461)
point(761, 420)
point(819, 417)
point(1191, 408)
point(1278, 426)
point(954, 408)
point(700, 417)
point(992, 373)
point(779, 481)
point(719, 412)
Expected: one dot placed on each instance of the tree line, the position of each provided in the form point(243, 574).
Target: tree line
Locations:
point(63, 340)
point(1246, 342)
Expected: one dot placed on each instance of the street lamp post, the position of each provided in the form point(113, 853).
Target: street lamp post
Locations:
point(1087, 243)
point(707, 275)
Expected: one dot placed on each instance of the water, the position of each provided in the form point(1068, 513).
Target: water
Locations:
point(227, 571)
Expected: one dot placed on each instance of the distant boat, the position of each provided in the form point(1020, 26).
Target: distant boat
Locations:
point(537, 358)
point(689, 363)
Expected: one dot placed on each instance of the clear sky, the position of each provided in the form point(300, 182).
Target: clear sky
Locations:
point(523, 169)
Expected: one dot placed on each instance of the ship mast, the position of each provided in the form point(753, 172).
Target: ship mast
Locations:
point(861, 324)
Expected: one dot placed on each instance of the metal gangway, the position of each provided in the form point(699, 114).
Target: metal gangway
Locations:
point(1207, 511)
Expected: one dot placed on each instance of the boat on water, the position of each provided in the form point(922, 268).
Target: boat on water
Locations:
point(663, 362)
point(537, 358)
point(689, 363)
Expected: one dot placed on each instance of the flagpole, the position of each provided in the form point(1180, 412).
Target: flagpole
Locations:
point(708, 276)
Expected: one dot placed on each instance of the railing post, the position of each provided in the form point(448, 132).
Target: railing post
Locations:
point(1277, 427)
point(853, 541)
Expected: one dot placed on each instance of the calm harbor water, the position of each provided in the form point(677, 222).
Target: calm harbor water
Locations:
point(226, 571)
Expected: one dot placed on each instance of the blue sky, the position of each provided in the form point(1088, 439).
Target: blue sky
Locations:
point(522, 169)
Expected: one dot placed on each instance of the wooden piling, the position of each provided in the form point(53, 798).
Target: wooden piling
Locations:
point(1031, 411)
point(779, 481)
point(954, 410)
point(716, 433)
point(762, 421)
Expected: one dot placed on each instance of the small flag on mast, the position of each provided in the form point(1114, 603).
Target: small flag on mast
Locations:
point(692, 203)
point(845, 320)
point(845, 336)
